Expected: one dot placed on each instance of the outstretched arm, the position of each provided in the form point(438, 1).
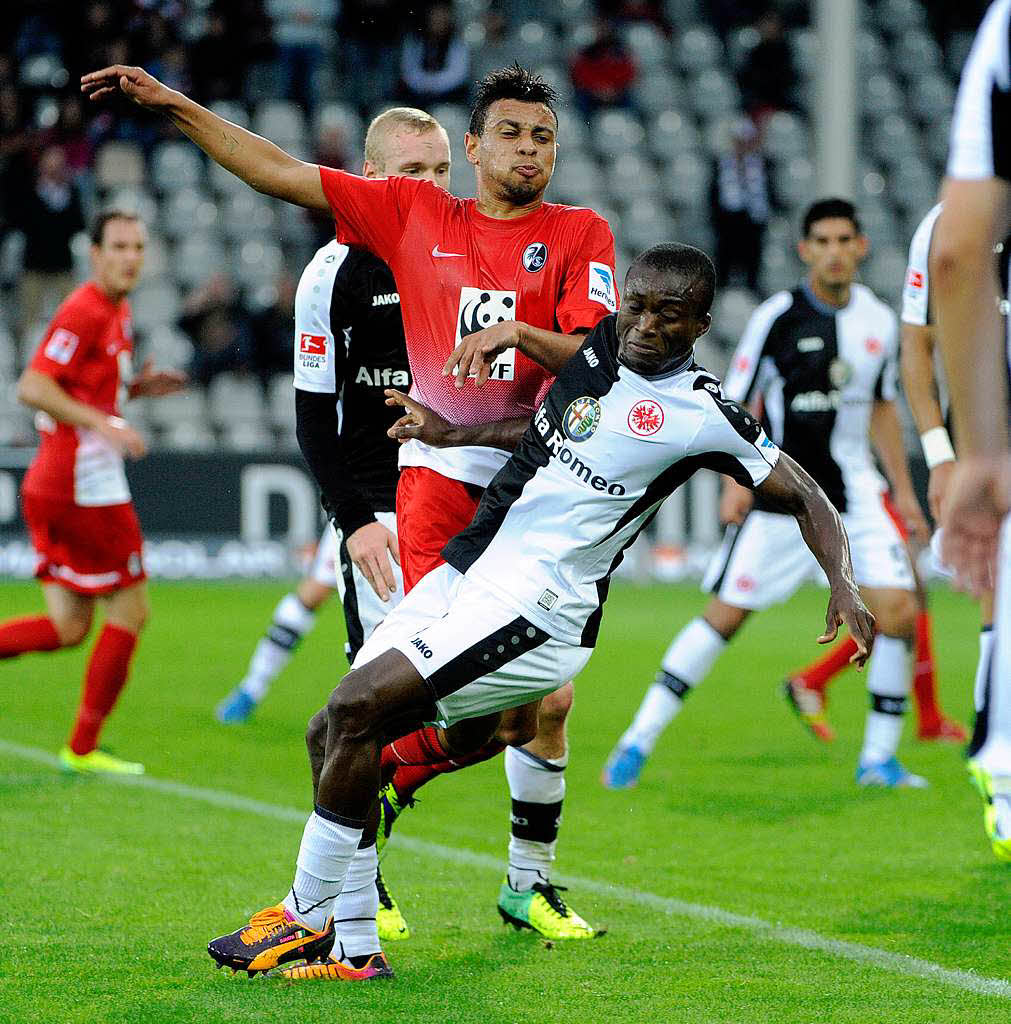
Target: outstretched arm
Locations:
point(790, 487)
point(423, 424)
point(258, 162)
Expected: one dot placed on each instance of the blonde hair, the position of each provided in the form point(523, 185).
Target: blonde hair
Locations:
point(411, 118)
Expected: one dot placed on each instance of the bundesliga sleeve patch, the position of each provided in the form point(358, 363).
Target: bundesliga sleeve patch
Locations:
point(61, 346)
point(313, 353)
point(601, 287)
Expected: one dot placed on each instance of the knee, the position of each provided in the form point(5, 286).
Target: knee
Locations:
point(556, 706)
point(516, 732)
point(352, 710)
point(895, 614)
point(73, 629)
point(315, 733)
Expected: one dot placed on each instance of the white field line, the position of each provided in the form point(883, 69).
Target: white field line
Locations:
point(896, 963)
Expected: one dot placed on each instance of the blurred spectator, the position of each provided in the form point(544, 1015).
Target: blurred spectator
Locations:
point(726, 15)
point(741, 205)
point(368, 35)
point(214, 318)
point(301, 30)
point(49, 214)
point(768, 76)
point(624, 11)
point(332, 150)
point(71, 135)
point(603, 72)
point(273, 331)
point(215, 72)
point(435, 62)
point(495, 50)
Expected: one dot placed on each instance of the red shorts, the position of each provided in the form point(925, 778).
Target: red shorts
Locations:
point(431, 510)
point(91, 551)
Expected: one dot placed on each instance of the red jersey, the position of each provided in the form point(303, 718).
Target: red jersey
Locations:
point(458, 271)
point(87, 350)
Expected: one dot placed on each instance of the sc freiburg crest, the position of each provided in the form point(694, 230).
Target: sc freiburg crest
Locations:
point(535, 256)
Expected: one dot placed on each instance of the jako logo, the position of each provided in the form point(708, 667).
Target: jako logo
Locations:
point(389, 299)
point(422, 646)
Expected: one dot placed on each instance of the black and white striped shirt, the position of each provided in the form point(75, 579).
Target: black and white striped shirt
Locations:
point(603, 451)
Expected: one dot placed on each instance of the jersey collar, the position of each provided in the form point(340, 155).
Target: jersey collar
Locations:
point(823, 307)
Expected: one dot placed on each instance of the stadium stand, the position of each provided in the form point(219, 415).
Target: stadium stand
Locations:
point(646, 164)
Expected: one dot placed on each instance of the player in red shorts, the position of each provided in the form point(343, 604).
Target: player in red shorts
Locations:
point(75, 497)
point(540, 276)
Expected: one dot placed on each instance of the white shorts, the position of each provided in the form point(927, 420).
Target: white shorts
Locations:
point(363, 611)
point(764, 561)
point(477, 655)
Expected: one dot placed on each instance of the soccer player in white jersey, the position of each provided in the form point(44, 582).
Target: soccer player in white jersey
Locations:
point(973, 337)
point(515, 609)
point(823, 358)
point(923, 393)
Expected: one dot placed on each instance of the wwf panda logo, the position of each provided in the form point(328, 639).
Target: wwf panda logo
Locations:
point(535, 256)
point(481, 308)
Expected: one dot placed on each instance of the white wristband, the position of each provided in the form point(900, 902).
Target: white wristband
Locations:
point(936, 447)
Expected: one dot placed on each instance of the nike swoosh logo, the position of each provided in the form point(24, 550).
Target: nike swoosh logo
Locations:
point(443, 255)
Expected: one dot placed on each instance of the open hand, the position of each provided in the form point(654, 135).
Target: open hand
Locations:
point(419, 423)
point(975, 504)
point(152, 383)
point(122, 437)
point(476, 353)
point(370, 547)
point(134, 83)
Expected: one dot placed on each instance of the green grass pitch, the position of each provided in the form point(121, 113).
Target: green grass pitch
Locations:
point(111, 891)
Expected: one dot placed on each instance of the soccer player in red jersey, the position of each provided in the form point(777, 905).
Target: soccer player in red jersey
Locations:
point(75, 496)
point(505, 286)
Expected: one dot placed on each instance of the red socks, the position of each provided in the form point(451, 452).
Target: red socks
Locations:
point(103, 681)
point(420, 756)
point(818, 674)
point(928, 710)
point(19, 636)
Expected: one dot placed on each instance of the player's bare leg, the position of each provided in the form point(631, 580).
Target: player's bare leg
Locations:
point(337, 858)
point(294, 616)
point(126, 611)
point(888, 683)
point(688, 660)
point(66, 624)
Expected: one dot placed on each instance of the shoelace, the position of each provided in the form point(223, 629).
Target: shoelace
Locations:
point(384, 897)
point(263, 923)
point(550, 893)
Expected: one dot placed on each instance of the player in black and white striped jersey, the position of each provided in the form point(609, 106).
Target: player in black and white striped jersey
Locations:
point(974, 339)
point(821, 360)
point(515, 610)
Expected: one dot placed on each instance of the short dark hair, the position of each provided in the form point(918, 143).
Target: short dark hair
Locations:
point(685, 260)
point(511, 83)
point(825, 208)
point(97, 232)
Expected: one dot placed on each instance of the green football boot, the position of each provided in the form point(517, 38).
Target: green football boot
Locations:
point(390, 808)
point(543, 910)
point(389, 920)
point(996, 794)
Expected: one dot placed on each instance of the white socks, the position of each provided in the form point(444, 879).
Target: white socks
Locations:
point(888, 680)
point(982, 667)
point(354, 912)
point(290, 622)
point(324, 857)
point(537, 788)
point(687, 662)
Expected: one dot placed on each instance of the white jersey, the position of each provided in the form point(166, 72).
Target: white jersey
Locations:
point(916, 290)
point(981, 129)
point(603, 451)
point(818, 371)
